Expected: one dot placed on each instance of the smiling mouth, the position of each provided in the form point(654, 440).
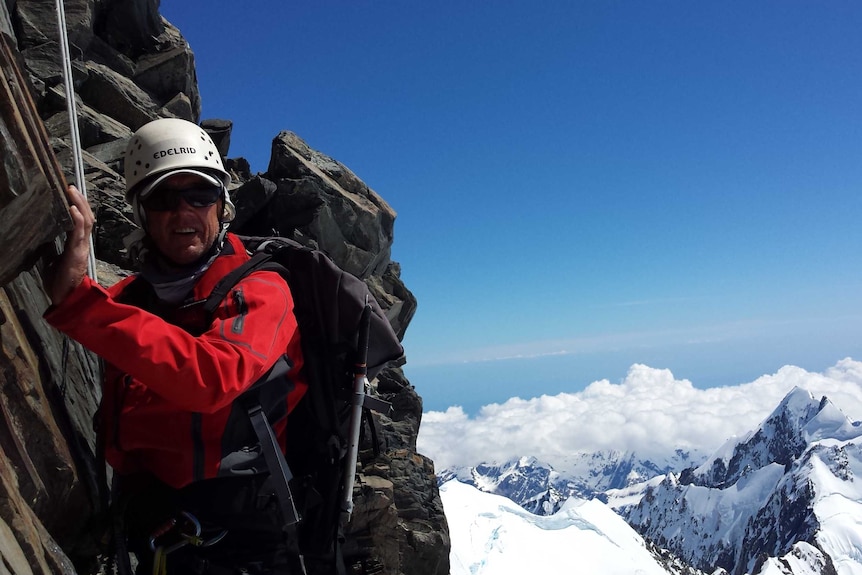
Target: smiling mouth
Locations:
point(185, 231)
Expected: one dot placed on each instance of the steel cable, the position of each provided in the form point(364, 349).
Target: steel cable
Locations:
point(77, 155)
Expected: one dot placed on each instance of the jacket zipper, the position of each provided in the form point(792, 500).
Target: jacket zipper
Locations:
point(242, 310)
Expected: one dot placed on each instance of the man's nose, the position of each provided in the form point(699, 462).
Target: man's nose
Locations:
point(183, 205)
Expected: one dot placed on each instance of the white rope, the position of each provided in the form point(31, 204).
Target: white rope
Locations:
point(77, 156)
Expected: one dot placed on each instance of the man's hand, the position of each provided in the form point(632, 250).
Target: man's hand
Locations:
point(71, 268)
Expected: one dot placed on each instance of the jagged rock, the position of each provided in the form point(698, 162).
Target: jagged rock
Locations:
point(406, 404)
point(6, 22)
point(103, 53)
point(274, 209)
point(37, 23)
point(251, 198)
point(170, 70)
point(400, 303)
point(130, 26)
point(110, 153)
point(352, 223)
point(180, 106)
point(93, 128)
point(115, 95)
point(219, 131)
point(131, 65)
point(106, 190)
point(239, 170)
point(44, 62)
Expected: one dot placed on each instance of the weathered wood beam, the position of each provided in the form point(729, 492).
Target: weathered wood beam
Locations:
point(33, 208)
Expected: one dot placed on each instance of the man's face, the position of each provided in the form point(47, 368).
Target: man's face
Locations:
point(184, 233)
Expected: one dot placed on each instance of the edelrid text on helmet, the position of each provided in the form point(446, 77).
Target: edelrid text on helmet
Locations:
point(169, 144)
point(173, 152)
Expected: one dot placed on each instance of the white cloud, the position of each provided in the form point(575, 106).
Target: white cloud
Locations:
point(650, 412)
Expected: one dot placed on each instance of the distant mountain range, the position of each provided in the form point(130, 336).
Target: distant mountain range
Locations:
point(785, 498)
point(540, 488)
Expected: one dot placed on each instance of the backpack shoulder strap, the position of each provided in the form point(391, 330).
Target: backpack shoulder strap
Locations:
point(261, 259)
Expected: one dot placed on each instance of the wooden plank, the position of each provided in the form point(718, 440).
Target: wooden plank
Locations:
point(33, 207)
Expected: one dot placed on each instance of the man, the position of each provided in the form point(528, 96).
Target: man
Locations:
point(187, 463)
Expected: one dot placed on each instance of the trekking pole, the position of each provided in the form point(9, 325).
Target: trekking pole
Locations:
point(360, 381)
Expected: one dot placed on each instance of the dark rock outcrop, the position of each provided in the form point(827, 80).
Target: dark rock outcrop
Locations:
point(131, 66)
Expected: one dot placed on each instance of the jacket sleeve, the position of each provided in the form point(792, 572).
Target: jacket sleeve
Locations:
point(196, 373)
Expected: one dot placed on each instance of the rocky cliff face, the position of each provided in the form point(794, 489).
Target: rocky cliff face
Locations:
point(131, 66)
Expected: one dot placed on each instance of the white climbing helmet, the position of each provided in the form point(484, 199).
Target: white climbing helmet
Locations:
point(168, 145)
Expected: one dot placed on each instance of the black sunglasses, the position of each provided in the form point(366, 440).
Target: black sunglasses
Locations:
point(166, 200)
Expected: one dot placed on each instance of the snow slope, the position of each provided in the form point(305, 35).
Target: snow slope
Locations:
point(491, 535)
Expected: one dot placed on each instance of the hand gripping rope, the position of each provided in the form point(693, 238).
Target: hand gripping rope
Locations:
point(73, 120)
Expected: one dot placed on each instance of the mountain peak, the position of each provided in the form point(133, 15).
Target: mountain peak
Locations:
point(786, 491)
point(781, 438)
point(799, 404)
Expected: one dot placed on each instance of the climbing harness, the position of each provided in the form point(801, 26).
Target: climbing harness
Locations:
point(74, 135)
point(186, 532)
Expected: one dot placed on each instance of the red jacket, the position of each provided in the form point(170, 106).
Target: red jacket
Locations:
point(167, 405)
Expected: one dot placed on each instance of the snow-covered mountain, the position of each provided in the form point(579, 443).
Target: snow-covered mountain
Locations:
point(533, 485)
point(783, 499)
point(542, 488)
point(786, 498)
point(491, 535)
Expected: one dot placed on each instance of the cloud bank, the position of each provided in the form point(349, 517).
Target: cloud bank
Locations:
point(649, 412)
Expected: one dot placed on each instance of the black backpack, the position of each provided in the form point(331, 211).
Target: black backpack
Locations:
point(346, 338)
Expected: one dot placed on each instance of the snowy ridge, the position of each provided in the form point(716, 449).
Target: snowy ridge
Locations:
point(493, 536)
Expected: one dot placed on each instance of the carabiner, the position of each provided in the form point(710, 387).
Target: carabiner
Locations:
point(169, 526)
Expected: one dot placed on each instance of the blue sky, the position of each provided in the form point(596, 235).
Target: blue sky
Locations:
point(580, 186)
